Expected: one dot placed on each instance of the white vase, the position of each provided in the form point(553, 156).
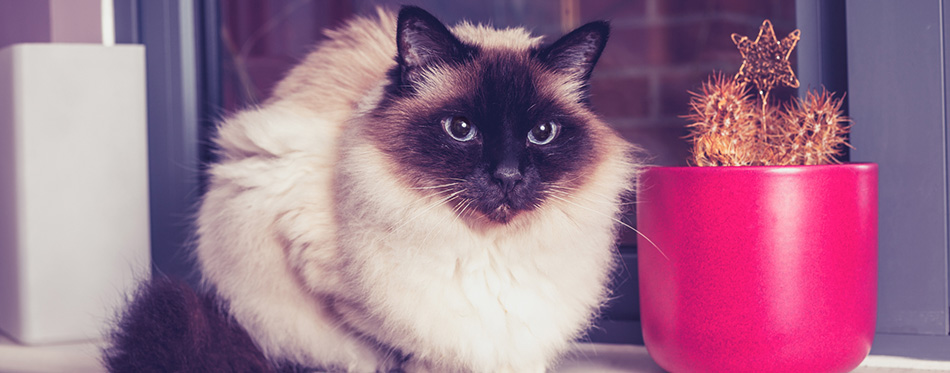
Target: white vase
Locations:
point(74, 228)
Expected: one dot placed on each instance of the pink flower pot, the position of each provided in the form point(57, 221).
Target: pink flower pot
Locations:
point(758, 269)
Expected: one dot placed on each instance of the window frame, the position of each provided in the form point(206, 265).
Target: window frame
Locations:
point(180, 38)
point(898, 81)
point(914, 290)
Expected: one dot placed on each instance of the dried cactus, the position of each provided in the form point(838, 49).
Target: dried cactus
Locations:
point(815, 129)
point(723, 123)
point(728, 129)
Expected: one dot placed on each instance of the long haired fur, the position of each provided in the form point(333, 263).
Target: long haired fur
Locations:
point(170, 328)
point(344, 229)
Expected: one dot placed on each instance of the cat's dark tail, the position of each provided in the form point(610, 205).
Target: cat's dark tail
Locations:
point(168, 327)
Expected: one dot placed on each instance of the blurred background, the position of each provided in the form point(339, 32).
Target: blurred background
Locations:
point(658, 49)
point(205, 59)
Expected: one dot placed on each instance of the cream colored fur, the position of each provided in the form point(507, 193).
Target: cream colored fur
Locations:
point(323, 255)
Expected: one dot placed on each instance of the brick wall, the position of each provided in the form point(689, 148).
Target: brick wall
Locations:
point(661, 49)
point(658, 51)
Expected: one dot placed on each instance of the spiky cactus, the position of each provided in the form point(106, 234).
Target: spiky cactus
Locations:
point(728, 128)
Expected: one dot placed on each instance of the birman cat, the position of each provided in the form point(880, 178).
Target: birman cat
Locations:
point(413, 197)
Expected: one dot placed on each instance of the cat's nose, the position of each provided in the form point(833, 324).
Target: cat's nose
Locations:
point(508, 175)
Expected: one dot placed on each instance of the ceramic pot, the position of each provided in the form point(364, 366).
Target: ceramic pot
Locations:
point(758, 269)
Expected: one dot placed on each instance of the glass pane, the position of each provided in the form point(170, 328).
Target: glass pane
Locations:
point(262, 40)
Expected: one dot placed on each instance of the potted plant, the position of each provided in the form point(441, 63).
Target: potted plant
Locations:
point(762, 257)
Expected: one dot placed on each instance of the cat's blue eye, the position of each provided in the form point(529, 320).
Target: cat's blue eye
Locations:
point(459, 128)
point(544, 133)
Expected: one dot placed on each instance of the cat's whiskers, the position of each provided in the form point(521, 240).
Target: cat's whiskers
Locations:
point(553, 194)
point(618, 221)
point(464, 207)
point(437, 203)
point(452, 197)
point(456, 212)
point(441, 186)
point(576, 224)
point(563, 188)
point(460, 208)
point(565, 192)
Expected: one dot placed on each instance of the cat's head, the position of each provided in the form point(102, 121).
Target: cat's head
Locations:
point(493, 126)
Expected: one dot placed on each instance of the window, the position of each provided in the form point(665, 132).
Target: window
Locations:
point(658, 51)
point(897, 71)
point(888, 55)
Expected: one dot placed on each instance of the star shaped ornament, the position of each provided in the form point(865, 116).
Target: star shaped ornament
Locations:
point(765, 60)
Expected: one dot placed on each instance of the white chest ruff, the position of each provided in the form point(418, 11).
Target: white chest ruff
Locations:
point(480, 301)
point(428, 284)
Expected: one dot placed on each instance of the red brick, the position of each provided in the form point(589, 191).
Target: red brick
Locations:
point(628, 46)
point(779, 9)
point(662, 45)
point(700, 40)
point(675, 88)
point(665, 144)
point(612, 10)
point(627, 97)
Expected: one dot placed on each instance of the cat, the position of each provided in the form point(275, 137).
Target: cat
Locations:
point(411, 198)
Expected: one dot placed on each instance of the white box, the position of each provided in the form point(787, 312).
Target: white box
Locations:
point(74, 225)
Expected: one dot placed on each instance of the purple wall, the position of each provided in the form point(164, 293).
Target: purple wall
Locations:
point(45, 21)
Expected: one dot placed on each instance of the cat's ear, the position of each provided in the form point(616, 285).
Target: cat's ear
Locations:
point(421, 41)
point(577, 52)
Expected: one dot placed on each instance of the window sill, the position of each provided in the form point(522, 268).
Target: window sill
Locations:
point(588, 357)
point(609, 358)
